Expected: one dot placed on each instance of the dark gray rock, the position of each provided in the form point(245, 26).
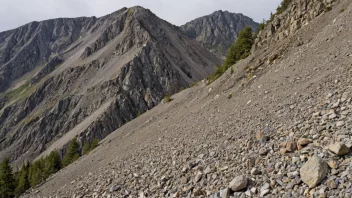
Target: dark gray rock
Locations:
point(218, 31)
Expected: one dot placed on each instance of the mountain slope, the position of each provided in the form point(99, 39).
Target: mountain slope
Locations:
point(218, 31)
point(90, 76)
point(246, 123)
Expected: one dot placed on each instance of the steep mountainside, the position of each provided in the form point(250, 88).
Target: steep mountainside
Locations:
point(86, 77)
point(218, 31)
point(279, 125)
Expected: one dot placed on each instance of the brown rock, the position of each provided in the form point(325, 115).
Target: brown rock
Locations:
point(291, 146)
point(332, 164)
point(299, 147)
point(282, 144)
point(303, 141)
point(339, 149)
point(283, 151)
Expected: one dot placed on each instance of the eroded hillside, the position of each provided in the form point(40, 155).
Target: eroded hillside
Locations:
point(280, 125)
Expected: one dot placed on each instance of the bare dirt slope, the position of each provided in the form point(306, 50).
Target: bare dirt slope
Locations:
point(247, 123)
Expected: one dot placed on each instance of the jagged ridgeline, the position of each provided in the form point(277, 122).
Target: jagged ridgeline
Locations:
point(85, 77)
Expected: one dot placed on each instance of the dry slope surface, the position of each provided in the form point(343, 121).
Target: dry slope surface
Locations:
point(265, 126)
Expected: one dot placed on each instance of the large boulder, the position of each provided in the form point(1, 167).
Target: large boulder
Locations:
point(239, 183)
point(339, 149)
point(314, 171)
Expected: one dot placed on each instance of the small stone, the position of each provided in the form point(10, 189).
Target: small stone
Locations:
point(208, 170)
point(331, 184)
point(265, 187)
point(303, 141)
point(255, 171)
point(248, 193)
point(314, 171)
point(114, 188)
point(291, 146)
point(263, 151)
point(289, 186)
point(283, 151)
point(332, 164)
point(184, 180)
point(251, 162)
point(225, 193)
point(299, 147)
point(334, 171)
point(254, 190)
point(176, 195)
point(198, 177)
point(340, 123)
point(198, 192)
point(332, 116)
point(339, 149)
point(239, 183)
point(264, 192)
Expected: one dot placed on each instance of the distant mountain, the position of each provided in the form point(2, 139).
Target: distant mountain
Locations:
point(88, 76)
point(218, 31)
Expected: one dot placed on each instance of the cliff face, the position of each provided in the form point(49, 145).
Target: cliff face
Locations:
point(86, 77)
point(299, 14)
point(218, 31)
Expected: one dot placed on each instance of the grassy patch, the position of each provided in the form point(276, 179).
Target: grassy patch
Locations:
point(167, 98)
point(17, 93)
point(193, 84)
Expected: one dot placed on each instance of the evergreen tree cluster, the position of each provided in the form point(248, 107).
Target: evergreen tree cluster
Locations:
point(31, 174)
point(239, 50)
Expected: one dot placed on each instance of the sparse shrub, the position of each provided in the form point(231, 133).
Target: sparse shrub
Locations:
point(283, 6)
point(239, 50)
point(232, 71)
point(167, 98)
point(342, 10)
point(94, 144)
point(229, 96)
point(260, 27)
point(86, 148)
point(193, 84)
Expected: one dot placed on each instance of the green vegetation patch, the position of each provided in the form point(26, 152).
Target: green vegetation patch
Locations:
point(239, 50)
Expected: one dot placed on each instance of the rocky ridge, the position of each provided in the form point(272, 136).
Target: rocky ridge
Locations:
point(282, 129)
point(219, 30)
point(110, 70)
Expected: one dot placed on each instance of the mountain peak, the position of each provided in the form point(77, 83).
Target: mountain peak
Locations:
point(219, 30)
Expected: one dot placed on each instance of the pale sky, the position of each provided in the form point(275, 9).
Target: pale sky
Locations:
point(14, 13)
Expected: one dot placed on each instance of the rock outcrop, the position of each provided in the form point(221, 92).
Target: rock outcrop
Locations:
point(297, 15)
point(219, 30)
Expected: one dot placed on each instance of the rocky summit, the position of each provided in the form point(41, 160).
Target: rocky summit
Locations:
point(218, 31)
point(276, 124)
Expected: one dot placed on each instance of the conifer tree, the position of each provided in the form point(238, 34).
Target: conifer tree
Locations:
point(52, 164)
point(241, 48)
point(7, 181)
point(95, 143)
point(86, 148)
point(72, 153)
point(23, 181)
